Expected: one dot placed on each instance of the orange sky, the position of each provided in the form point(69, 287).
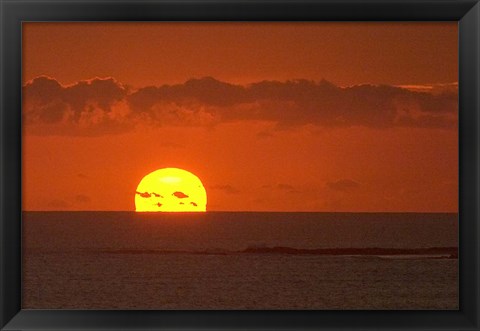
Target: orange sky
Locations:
point(292, 116)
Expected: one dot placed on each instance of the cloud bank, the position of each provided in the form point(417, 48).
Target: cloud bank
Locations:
point(105, 106)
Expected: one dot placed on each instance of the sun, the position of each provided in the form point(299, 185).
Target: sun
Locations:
point(170, 190)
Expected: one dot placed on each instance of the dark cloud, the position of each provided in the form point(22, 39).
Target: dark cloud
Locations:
point(143, 194)
point(101, 106)
point(207, 91)
point(148, 195)
point(343, 185)
point(180, 195)
point(48, 99)
point(225, 188)
point(85, 108)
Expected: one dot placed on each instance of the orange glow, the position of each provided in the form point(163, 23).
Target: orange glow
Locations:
point(272, 116)
point(170, 190)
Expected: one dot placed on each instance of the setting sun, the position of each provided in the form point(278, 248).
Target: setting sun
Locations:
point(170, 190)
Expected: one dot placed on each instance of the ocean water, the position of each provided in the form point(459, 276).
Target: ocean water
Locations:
point(216, 260)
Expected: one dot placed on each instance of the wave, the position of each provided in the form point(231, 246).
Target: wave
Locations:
point(431, 252)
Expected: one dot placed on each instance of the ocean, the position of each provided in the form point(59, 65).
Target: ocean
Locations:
point(239, 260)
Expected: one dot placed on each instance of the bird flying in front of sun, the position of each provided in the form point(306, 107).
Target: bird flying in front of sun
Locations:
point(170, 190)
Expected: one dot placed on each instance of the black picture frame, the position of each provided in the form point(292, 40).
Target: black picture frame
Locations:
point(14, 12)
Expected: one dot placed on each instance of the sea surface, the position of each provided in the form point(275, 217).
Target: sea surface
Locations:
point(217, 260)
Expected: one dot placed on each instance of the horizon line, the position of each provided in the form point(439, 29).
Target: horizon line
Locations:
point(246, 211)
